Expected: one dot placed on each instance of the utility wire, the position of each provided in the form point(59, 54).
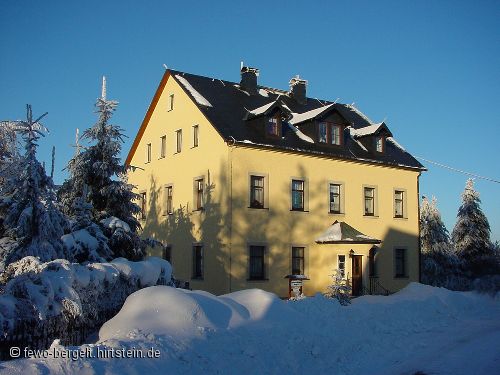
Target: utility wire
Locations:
point(458, 170)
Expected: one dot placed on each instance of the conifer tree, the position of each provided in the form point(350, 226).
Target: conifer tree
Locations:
point(471, 234)
point(32, 221)
point(339, 289)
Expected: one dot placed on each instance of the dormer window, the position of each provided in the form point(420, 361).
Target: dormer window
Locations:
point(379, 143)
point(330, 133)
point(273, 125)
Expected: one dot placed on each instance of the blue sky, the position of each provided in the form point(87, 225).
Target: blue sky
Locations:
point(429, 68)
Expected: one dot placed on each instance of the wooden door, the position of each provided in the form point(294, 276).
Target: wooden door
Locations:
point(357, 275)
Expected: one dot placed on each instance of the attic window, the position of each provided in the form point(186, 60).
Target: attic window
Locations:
point(273, 125)
point(379, 143)
point(330, 133)
point(171, 102)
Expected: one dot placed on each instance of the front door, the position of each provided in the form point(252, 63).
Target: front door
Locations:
point(357, 275)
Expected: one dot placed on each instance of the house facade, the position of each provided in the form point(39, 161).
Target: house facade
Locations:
point(248, 184)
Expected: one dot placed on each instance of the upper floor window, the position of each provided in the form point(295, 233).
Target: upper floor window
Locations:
point(148, 153)
point(298, 195)
point(330, 133)
point(198, 194)
point(335, 190)
point(256, 263)
point(196, 132)
point(163, 146)
point(398, 203)
point(298, 261)
point(273, 125)
point(169, 205)
point(400, 268)
point(197, 262)
point(171, 102)
point(179, 140)
point(257, 191)
point(142, 197)
point(379, 143)
point(369, 199)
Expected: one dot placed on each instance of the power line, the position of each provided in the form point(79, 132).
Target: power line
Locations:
point(458, 170)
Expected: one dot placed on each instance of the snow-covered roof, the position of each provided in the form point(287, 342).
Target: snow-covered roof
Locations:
point(369, 130)
point(309, 115)
point(299, 134)
point(341, 232)
point(200, 99)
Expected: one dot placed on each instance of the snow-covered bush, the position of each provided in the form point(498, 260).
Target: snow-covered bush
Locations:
point(339, 289)
point(77, 296)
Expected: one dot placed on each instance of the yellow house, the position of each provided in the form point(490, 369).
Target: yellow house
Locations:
point(248, 184)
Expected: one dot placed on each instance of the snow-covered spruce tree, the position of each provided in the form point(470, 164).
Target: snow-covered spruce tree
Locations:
point(440, 266)
point(339, 289)
point(33, 224)
point(98, 166)
point(471, 234)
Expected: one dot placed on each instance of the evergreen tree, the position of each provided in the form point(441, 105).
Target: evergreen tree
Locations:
point(439, 265)
point(471, 234)
point(98, 166)
point(32, 222)
point(339, 289)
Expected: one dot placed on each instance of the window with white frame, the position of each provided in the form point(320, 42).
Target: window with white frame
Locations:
point(298, 195)
point(178, 134)
point(298, 261)
point(341, 264)
point(399, 203)
point(257, 191)
point(379, 143)
point(335, 197)
point(171, 102)
point(198, 193)
point(196, 133)
point(163, 146)
point(369, 201)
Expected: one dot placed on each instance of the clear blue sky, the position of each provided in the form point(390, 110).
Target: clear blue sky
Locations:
point(430, 68)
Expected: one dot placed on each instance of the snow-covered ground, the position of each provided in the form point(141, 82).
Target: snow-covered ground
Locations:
point(421, 328)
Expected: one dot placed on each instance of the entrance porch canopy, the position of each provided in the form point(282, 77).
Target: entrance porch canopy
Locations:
point(341, 232)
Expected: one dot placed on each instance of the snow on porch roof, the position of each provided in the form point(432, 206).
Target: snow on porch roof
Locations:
point(340, 232)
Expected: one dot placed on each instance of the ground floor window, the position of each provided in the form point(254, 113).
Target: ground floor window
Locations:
point(197, 262)
point(167, 254)
point(298, 261)
point(341, 264)
point(400, 268)
point(256, 262)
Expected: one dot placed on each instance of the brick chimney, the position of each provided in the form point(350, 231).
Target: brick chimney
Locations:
point(298, 90)
point(249, 79)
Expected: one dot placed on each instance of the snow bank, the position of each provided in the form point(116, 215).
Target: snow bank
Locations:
point(420, 328)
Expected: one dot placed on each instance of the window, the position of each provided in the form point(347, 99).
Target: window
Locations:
point(171, 102)
point(334, 198)
point(322, 132)
point(298, 261)
point(379, 144)
point(341, 264)
point(179, 140)
point(398, 203)
point(400, 263)
point(167, 254)
point(256, 191)
point(298, 195)
point(335, 135)
point(273, 124)
point(163, 146)
point(330, 133)
point(143, 205)
point(195, 135)
point(148, 153)
point(369, 201)
point(256, 271)
point(197, 262)
point(169, 204)
point(198, 194)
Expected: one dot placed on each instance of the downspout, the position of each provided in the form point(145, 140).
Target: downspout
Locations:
point(418, 239)
point(230, 166)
